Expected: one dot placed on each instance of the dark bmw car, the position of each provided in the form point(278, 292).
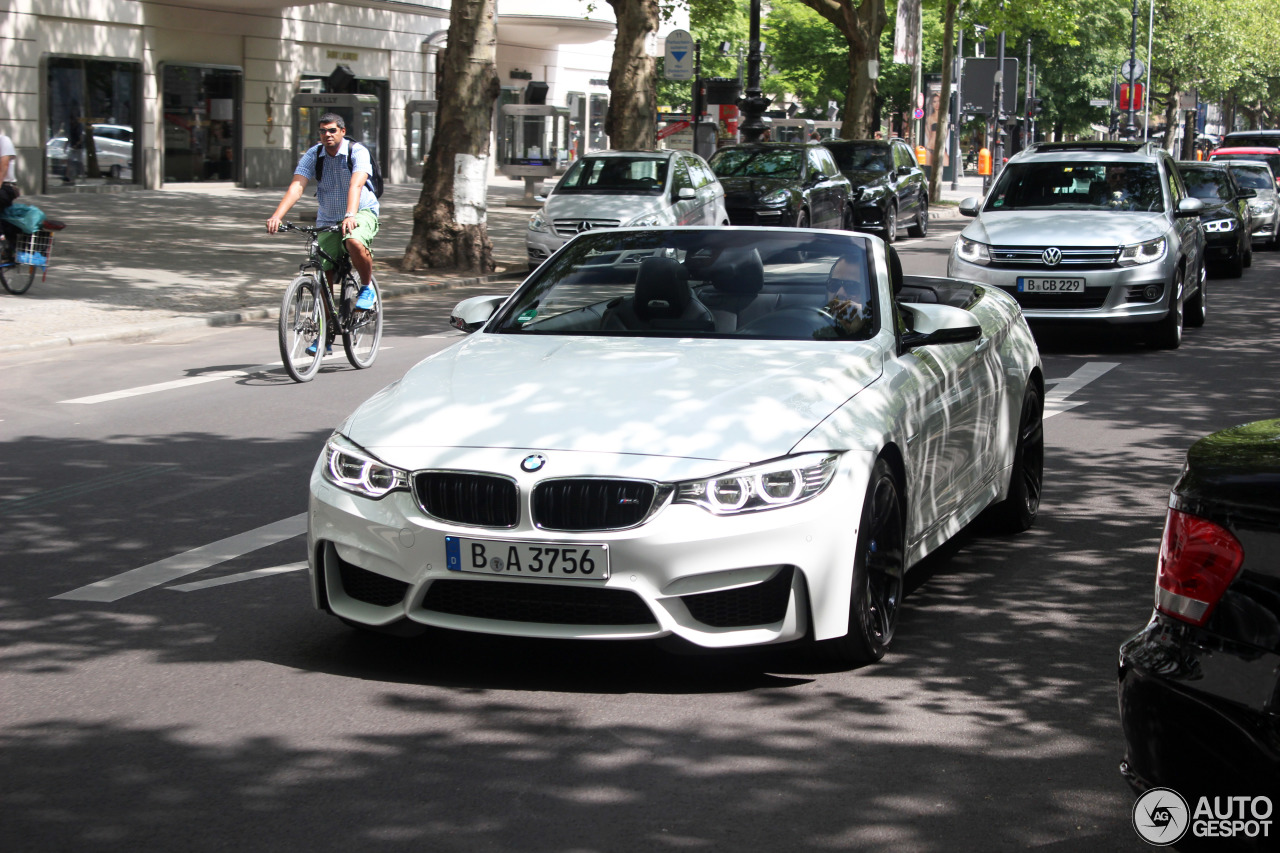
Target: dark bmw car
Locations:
point(783, 184)
point(889, 188)
point(1199, 686)
point(1228, 224)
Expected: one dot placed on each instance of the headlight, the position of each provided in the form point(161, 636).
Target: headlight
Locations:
point(538, 222)
point(1262, 207)
point(351, 469)
point(783, 482)
point(777, 198)
point(1218, 226)
point(1143, 253)
point(648, 220)
point(972, 251)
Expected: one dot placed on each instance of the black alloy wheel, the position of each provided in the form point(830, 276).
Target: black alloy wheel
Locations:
point(802, 219)
point(1233, 266)
point(878, 570)
point(1019, 509)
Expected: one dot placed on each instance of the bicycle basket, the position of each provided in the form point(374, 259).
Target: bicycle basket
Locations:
point(34, 248)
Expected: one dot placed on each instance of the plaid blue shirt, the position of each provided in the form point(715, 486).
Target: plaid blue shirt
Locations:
point(331, 191)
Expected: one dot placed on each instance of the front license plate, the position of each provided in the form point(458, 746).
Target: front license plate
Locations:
point(1050, 285)
point(571, 561)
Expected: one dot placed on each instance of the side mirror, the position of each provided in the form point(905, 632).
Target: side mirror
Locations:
point(969, 207)
point(904, 170)
point(1248, 192)
point(685, 193)
point(934, 324)
point(1189, 207)
point(818, 177)
point(470, 314)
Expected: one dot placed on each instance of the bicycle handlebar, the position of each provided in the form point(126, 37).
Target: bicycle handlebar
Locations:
point(286, 225)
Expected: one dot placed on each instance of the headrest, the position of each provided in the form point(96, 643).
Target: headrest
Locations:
point(662, 289)
point(738, 271)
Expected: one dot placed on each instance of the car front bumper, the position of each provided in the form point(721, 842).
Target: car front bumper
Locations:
point(715, 581)
point(1117, 295)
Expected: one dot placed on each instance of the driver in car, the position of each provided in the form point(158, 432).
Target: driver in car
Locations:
point(848, 295)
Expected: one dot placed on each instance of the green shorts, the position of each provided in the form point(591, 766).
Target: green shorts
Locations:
point(366, 229)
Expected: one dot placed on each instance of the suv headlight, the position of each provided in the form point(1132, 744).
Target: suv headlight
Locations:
point(648, 220)
point(353, 470)
point(1143, 253)
point(782, 482)
point(1218, 226)
point(777, 198)
point(1263, 207)
point(538, 222)
point(972, 251)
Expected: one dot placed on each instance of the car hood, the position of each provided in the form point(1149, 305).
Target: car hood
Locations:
point(749, 188)
point(623, 208)
point(733, 401)
point(865, 178)
point(1220, 210)
point(1065, 227)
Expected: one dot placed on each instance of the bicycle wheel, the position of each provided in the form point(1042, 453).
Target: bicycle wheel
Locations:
point(301, 327)
point(18, 278)
point(364, 327)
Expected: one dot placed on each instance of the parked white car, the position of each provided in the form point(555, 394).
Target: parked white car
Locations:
point(731, 436)
point(609, 189)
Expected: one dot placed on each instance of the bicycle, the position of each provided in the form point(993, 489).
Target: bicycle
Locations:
point(31, 254)
point(310, 318)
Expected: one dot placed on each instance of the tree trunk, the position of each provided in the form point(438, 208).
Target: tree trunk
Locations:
point(632, 119)
point(861, 26)
point(944, 103)
point(449, 220)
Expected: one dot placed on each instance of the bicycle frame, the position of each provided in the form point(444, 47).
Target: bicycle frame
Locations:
point(341, 269)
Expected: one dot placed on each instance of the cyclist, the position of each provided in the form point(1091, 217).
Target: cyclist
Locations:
point(342, 197)
point(8, 190)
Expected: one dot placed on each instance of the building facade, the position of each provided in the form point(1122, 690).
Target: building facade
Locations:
point(108, 95)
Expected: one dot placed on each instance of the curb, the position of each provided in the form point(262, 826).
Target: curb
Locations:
point(232, 318)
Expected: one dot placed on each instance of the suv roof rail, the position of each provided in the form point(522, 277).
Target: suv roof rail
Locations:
point(1094, 145)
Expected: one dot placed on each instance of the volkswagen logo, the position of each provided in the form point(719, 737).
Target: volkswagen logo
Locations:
point(584, 225)
point(533, 462)
point(1051, 256)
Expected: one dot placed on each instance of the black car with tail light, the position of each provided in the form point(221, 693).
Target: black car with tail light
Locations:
point(1199, 686)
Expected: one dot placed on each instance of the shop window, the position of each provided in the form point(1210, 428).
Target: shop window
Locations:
point(201, 123)
point(93, 111)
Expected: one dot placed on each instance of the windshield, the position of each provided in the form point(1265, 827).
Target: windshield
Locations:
point(1061, 185)
point(1273, 160)
point(701, 283)
point(757, 163)
point(1254, 178)
point(862, 158)
point(615, 176)
point(1209, 185)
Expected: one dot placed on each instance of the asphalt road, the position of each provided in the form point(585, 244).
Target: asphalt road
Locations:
point(196, 702)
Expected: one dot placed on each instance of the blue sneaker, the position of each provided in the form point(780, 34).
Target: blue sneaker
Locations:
point(328, 350)
point(367, 299)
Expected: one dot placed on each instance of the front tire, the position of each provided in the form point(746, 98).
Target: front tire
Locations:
point(302, 323)
point(1233, 267)
point(1019, 509)
point(365, 329)
point(890, 230)
point(802, 219)
point(1197, 310)
point(878, 569)
point(920, 228)
point(18, 278)
point(1167, 332)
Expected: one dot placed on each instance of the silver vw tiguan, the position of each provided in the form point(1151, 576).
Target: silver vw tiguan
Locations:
point(1090, 231)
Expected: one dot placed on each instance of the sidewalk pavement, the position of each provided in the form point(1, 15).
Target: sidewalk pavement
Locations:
point(136, 264)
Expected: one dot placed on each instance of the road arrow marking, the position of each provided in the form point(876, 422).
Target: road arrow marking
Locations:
point(236, 578)
point(1055, 401)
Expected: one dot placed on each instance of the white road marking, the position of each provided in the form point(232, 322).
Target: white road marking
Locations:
point(187, 563)
point(1055, 401)
point(177, 383)
point(236, 578)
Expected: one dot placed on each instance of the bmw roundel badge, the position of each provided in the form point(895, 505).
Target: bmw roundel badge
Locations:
point(533, 462)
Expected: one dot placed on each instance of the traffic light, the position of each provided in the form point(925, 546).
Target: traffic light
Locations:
point(1035, 106)
point(1114, 127)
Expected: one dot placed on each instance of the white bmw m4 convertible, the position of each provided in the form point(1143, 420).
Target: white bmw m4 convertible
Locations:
point(730, 436)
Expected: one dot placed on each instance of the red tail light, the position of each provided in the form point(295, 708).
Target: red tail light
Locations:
point(1198, 561)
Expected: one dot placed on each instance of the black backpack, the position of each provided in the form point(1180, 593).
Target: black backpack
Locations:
point(374, 183)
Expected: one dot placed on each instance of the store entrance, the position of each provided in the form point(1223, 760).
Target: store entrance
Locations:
point(201, 123)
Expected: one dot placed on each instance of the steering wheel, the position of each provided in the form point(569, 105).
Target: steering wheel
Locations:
point(793, 323)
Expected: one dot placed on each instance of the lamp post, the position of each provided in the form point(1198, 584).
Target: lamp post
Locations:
point(754, 103)
point(1132, 75)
